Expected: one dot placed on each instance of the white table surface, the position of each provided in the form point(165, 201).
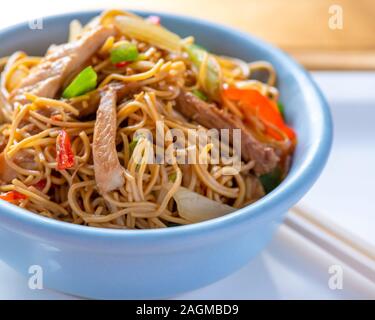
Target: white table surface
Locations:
point(290, 268)
point(345, 191)
point(343, 194)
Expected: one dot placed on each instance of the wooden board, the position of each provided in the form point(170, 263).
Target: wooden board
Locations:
point(301, 27)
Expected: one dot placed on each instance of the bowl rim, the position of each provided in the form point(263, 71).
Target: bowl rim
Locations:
point(302, 177)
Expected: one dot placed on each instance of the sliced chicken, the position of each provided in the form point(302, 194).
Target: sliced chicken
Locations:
point(210, 116)
point(61, 63)
point(3, 142)
point(7, 174)
point(6, 108)
point(109, 174)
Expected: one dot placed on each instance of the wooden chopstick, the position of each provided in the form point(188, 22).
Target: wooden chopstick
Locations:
point(351, 250)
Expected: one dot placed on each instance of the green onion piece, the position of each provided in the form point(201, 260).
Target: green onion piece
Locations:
point(132, 145)
point(281, 108)
point(271, 180)
point(124, 52)
point(212, 82)
point(84, 82)
point(200, 94)
point(172, 177)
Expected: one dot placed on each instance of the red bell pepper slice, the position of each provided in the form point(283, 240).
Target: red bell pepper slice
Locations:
point(254, 103)
point(13, 196)
point(121, 64)
point(64, 152)
point(41, 184)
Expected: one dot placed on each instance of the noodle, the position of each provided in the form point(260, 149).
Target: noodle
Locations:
point(31, 128)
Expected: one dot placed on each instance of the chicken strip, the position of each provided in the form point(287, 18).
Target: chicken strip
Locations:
point(210, 116)
point(61, 63)
point(109, 174)
point(7, 174)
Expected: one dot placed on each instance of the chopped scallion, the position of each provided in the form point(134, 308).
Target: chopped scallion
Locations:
point(271, 180)
point(200, 94)
point(124, 52)
point(84, 82)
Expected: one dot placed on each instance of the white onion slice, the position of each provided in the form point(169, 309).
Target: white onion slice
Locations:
point(195, 207)
point(145, 31)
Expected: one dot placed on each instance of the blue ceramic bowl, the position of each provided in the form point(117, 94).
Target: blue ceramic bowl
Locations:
point(102, 263)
